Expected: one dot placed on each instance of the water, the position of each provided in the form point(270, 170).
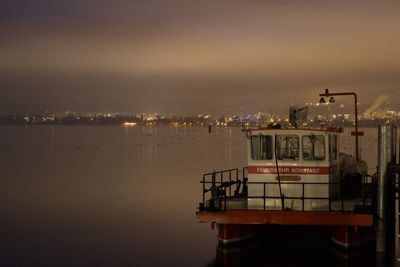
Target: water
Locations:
point(113, 196)
point(108, 196)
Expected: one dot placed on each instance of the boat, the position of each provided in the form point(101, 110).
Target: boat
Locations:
point(295, 176)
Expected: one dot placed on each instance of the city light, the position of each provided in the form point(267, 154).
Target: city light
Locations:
point(129, 124)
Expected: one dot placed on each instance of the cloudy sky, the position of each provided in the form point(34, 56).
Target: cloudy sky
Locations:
point(194, 56)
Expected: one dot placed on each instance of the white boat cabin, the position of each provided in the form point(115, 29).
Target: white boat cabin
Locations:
point(287, 165)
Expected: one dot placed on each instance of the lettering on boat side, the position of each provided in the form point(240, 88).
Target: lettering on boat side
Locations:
point(288, 170)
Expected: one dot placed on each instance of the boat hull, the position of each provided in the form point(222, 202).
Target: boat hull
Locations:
point(345, 237)
point(348, 237)
point(235, 233)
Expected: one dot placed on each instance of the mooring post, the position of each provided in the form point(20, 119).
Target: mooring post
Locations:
point(391, 195)
point(398, 192)
point(384, 157)
point(392, 143)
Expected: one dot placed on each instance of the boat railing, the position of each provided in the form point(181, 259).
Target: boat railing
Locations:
point(228, 190)
point(224, 179)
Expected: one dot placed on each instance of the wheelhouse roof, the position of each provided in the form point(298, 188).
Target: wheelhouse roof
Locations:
point(326, 130)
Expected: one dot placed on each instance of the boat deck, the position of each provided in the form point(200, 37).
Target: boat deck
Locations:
point(228, 202)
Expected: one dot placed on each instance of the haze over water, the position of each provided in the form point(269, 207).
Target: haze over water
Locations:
point(114, 196)
point(108, 195)
point(194, 56)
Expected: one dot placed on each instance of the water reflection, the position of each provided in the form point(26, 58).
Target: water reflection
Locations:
point(114, 196)
point(297, 246)
point(108, 196)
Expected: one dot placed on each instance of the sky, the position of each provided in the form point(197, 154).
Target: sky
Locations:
point(173, 56)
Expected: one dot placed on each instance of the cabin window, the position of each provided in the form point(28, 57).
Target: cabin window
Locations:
point(287, 147)
point(313, 147)
point(333, 147)
point(261, 147)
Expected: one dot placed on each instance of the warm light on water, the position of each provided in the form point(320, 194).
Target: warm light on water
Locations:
point(112, 196)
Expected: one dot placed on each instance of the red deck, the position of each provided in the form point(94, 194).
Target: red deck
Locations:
point(285, 217)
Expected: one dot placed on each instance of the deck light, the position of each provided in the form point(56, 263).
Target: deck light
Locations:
point(322, 100)
point(332, 100)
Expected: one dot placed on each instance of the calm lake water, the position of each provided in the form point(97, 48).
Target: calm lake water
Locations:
point(113, 196)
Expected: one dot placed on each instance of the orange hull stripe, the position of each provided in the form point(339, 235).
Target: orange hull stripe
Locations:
point(285, 218)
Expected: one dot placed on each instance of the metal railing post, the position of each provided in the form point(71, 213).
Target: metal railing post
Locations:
point(264, 195)
point(342, 202)
point(329, 201)
point(230, 181)
point(225, 199)
point(204, 189)
point(302, 196)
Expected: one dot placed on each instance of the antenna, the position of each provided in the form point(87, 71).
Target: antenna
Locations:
point(297, 115)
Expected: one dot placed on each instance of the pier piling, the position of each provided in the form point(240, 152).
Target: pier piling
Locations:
point(385, 190)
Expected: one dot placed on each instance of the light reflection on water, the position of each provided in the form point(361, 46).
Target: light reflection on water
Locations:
point(72, 195)
point(112, 196)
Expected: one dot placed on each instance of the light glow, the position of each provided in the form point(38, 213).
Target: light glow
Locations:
point(129, 124)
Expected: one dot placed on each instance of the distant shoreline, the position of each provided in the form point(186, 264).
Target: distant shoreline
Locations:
point(362, 123)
